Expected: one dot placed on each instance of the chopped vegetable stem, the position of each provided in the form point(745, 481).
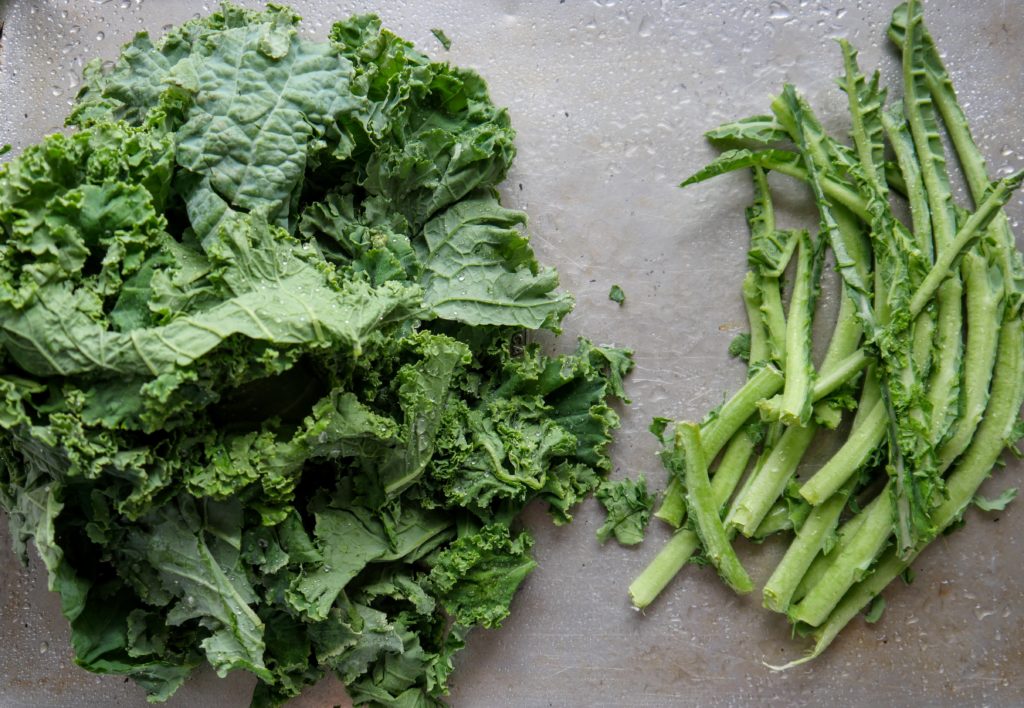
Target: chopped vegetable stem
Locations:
point(799, 371)
point(756, 499)
point(851, 564)
point(809, 541)
point(704, 510)
point(850, 458)
point(719, 429)
point(937, 305)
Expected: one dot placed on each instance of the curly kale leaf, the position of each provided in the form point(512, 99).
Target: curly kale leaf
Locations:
point(478, 574)
point(265, 403)
point(628, 506)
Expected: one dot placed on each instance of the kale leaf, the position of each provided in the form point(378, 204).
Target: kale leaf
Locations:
point(628, 505)
point(266, 401)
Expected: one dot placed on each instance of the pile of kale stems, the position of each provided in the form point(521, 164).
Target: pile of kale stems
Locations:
point(925, 364)
point(266, 400)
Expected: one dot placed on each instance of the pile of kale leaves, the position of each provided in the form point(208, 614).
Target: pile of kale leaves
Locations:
point(265, 398)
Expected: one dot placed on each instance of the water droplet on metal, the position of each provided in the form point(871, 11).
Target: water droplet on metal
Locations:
point(778, 11)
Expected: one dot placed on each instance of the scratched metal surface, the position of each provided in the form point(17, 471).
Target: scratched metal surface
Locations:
point(610, 99)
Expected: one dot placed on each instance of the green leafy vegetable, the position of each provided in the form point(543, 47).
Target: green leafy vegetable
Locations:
point(441, 37)
point(477, 575)
point(628, 507)
point(999, 503)
point(740, 346)
point(617, 295)
point(875, 610)
point(267, 401)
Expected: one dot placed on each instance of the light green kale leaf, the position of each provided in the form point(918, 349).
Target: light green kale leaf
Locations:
point(270, 288)
point(628, 506)
point(998, 503)
point(480, 270)
point(262, 100)
point(437, 135)
point(617, 294)
point(347, 544)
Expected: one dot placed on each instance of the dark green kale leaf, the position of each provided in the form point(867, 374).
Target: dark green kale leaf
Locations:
point(265, 399)
point(616, 294)
point(478, 574)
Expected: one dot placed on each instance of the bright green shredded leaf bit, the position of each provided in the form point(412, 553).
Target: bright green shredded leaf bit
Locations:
point(266, 400)
point(441, 37)
point(616, 294)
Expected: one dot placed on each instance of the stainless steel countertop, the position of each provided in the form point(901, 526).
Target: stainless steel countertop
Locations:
point(610, 99)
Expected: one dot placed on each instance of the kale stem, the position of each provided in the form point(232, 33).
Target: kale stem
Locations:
point(982, 295)
point(732, 466)
point(943, 389)
point(824, 561)
point(865, 109)
point(799, 370)
point(870, 396)
point(841, 352)
point(809, 541)
point(673, 504)
point(674, 554)
point(774, 318)
point(761, 218)
point(829, 379)
point(759, 349)
point(967, 235)
point(851, 563)
point(921, 119)
point(996, 428)
point(971, 470)
point(835, 190)
point(983, 302)
point(665, 566)
point(870, 393)
point(785, 515)
point(717, 431)
point(753, 503)
point(832, 378)
point(703, 510)
point(903, 147)
point(854, 453)
point(973, 164)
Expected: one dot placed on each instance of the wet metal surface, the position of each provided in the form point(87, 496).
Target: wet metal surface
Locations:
point(610, 99)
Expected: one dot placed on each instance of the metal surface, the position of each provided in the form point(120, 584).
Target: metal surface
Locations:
point(610, 100)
